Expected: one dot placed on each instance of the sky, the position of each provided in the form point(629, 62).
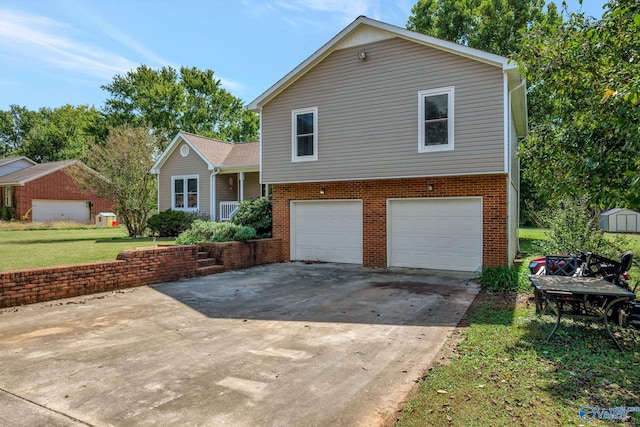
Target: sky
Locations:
point(58, 52)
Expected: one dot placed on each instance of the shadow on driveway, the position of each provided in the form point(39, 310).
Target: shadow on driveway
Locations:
point(278, 345)
point(339, 293)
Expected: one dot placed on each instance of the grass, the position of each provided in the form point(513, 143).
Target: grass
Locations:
point(499, 371)
point(503, 373)
point(44, 245)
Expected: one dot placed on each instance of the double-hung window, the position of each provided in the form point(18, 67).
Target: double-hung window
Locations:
point(7, 196)
point(304, 134)
point(435, 119)
point(184, 193)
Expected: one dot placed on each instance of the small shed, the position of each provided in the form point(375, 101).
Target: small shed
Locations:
point(106, 219)
point(620, 220)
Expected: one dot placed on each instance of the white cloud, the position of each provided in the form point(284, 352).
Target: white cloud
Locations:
point(40, 41)
point(304, 12)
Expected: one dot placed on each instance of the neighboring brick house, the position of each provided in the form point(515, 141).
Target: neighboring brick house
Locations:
point(388, 147)
point(46, 192)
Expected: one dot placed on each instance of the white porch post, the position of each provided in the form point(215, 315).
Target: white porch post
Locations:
point(212, 208)
point(241, 185)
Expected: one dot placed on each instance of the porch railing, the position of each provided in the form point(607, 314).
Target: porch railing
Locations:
point(226, 210)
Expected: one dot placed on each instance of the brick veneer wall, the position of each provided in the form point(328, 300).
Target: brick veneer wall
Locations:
point(235, 255)
point(374, 195)
point(56, 186)
point(132, 268)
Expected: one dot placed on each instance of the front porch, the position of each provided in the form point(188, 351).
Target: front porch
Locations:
point(227, 209)
point(231, 189)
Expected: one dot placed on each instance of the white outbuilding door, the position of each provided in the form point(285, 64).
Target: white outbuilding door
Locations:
point(60, 210)
point(442, 234)
point(327, 230)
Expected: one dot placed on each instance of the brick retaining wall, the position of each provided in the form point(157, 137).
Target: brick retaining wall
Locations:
point(132, 268)
point(235, 255)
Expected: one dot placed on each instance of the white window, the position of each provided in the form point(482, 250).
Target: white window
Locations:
point(7, 196)
point(185, 193)
point(435, 119)
point(304, 134)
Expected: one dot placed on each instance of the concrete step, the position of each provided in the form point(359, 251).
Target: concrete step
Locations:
point(203, 255)
point(205, 262)
point(210, 269)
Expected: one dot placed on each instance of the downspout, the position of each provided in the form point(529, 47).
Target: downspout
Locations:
point(522, 83)
point(212, 208)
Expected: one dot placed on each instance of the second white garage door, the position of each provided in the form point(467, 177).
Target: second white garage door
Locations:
point(60, 210)
point(328, 230)
point(444, 234)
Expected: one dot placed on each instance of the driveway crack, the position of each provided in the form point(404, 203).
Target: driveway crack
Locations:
point(44, 407)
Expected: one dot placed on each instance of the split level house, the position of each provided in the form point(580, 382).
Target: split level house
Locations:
point(388, 147)
point(206, 176)
point(41, 192)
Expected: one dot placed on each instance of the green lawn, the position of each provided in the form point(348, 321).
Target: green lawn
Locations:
point(503, 373)
point(24, 248)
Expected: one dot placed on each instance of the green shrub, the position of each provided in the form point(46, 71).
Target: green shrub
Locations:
point(573, 226)
point(255, 213)
point(169, 223)
point(504, 279)
point(6, 214)
point(208, 231)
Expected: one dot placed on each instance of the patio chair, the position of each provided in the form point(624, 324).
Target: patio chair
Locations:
point(561, 265)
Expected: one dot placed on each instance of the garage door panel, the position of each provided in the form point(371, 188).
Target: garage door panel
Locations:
point(328, 231)
point(60, 210)
point(435, 233)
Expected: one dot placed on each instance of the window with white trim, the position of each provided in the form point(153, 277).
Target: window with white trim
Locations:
point(304, 134)
point(7, 196)
point(435, 119)
point(185, 193)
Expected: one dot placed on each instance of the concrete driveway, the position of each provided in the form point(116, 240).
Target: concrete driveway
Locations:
point(279, 345)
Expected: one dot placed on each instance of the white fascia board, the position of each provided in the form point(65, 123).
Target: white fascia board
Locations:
point(155, 169)
point(331, 45)
point(171, 148)
point(237, 169)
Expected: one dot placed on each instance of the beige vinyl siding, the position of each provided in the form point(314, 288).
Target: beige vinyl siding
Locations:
point(252, 188)
point(176, 165)
point(226, 190)
point(368, 116)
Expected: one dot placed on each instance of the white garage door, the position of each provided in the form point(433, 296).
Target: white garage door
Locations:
point(328, 230)
point(60, 210)
point(444, 234)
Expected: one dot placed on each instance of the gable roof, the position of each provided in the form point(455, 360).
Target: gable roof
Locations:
point(36, 171)
point(8, 160)
point(365, 30)
point(10, 165)
point(215, 153)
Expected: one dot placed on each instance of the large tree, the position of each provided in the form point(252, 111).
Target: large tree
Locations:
point(122, 164)
point(168, 101)
point(495, 26)
point(15, 126)
point(585, 107)
point(48, 134)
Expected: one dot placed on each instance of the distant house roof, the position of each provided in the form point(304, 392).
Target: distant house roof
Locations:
point(13, 164)
point(8, 160)
point(36, 171)
point(364, 30)
point(216, 153)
